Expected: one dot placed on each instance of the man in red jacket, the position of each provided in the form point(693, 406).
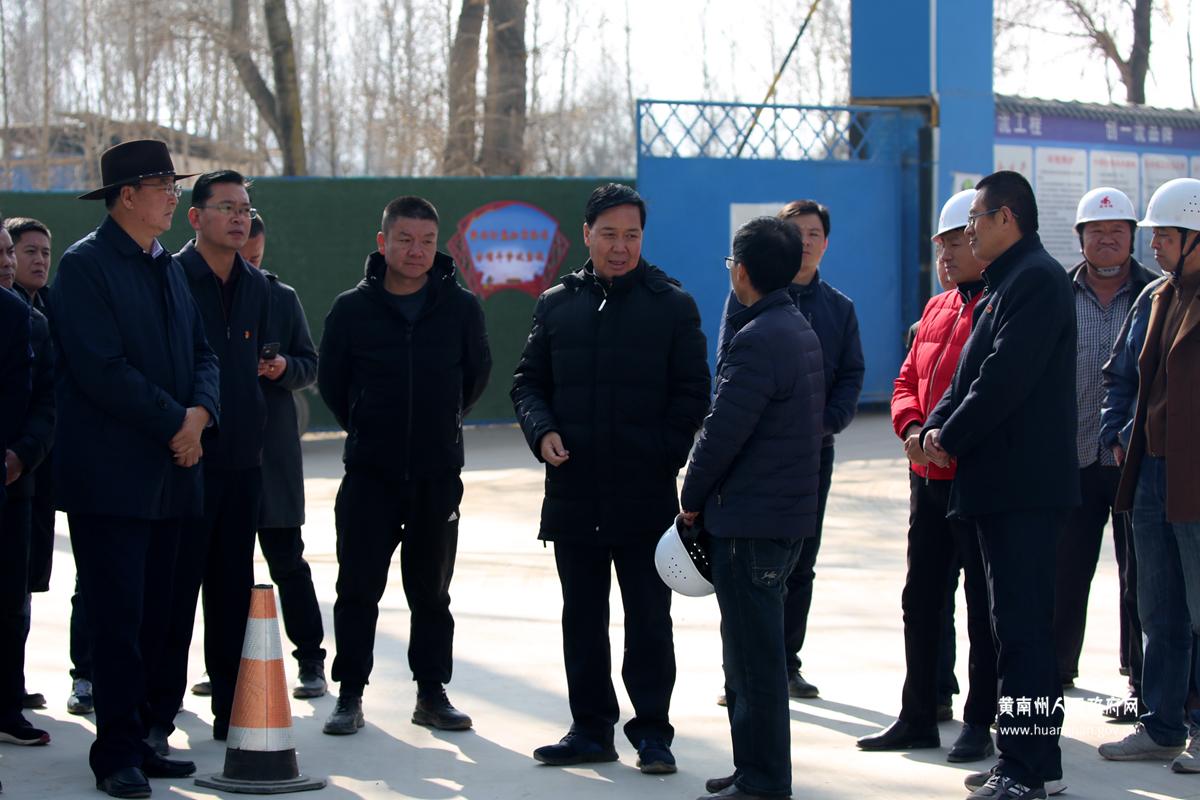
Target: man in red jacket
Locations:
point(935, 542)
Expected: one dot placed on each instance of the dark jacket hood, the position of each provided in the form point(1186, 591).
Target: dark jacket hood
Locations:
point(646, 273)
point(375, 268)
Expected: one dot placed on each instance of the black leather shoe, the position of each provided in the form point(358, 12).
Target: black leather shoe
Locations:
point(901, 736)
point(731, 793)
point(575, 749)
point(125, 782)
point(800, 688)
point(155, 766)
point(434, 710)
point(714, 785)
point(974, 743)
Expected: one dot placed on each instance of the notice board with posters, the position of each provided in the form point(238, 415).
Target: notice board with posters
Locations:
point(1066, 149)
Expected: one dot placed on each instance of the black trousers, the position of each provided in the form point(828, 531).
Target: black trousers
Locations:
point(1018, 554)
point(125, 568)
point(283, 548)
point(648, 665)
point(935, 543)
point(800, 584)
point(375, 513)
point(14, 584)
point(1078, 552)
point(216, 553)
point(81, 651)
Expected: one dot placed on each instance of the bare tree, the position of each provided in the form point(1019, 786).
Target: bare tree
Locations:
point(279, 109)
point(1133, 67)
point(459, 157)
point(503, 148)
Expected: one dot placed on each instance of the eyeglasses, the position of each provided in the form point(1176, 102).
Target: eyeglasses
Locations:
point(729, 262)
point(172, 188)
point(230, 210)
point(971, 218)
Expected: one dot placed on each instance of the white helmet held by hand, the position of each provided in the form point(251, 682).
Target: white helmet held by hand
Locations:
point(1104, 203)
point(681, 559)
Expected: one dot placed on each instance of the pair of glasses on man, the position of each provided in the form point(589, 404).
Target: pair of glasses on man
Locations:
point(231, 210)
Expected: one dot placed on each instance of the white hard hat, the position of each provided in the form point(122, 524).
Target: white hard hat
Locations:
point(1104, 203)
point(683, 563)
point(1175, 204)
point(954, 213)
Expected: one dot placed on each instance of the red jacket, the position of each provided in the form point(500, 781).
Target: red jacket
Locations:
point(929, 366)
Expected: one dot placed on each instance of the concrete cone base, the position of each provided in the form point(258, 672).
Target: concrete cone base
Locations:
point(298, 784)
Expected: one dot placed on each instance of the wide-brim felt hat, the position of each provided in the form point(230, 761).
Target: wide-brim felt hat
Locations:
point(130, 162)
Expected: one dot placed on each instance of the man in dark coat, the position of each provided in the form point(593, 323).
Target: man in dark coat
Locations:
point(136, 385)
point(22, 378)
point(1008, 419)
point(281, 512)
point(831, 315)
point(609, 392)
point(753, 479)
point(403, 358)
point(217, 550)
point(31, 247)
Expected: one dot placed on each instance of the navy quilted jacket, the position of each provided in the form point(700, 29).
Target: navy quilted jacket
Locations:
point(754, 469)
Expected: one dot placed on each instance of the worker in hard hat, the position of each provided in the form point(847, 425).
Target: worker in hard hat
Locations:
point(1160, 472)
point(1105, 284)
point(937, 544)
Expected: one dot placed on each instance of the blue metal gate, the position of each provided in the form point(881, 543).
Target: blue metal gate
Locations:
point(704, 168)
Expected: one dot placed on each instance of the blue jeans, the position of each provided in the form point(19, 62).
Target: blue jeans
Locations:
point(1168, 582)
point(750, 576)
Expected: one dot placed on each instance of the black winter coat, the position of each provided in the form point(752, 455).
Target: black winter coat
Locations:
point(625, 386)
point(282, 503)
point(33, 443)
point(400, 390)
point(16, 371)
point(1009, 416)
point(832, 317)
point(236, 338)
point(754, 470)
point(131, 358)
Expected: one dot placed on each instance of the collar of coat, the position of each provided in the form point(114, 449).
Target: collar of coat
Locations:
point(645, 274)
point(805, 289)
point(779, 297)
point(970, 290)
point(196, 268)
point(122, 242)
point(376, 267)
point(995, 272)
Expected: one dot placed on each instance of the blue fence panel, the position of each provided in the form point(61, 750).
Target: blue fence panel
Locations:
point(705, 167)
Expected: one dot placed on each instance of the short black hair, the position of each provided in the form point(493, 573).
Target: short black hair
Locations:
point(771, 250)
point(798, 208)
point(408, 207)
point(202, 188)
point(257, 227)
point(1011, 190)
point(19, 226)
point(611, 195)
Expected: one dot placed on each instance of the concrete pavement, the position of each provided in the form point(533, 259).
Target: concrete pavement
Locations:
point(509, 677)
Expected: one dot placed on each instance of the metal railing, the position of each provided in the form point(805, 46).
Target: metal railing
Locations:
point(674, 129)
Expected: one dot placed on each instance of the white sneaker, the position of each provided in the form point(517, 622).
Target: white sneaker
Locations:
point(1189, 759)
point(975, 780)
point(1138, 746)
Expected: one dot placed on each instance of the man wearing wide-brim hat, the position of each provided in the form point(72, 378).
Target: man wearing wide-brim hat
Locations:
point(137, 384)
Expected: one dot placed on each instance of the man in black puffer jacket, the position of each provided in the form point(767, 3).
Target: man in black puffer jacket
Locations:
point(610, 390)
point(403, 358)
point(754, 476)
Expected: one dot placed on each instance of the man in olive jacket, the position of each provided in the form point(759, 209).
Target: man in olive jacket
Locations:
point(610, 391)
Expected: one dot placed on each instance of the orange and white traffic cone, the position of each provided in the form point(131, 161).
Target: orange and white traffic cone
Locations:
point(260, 755)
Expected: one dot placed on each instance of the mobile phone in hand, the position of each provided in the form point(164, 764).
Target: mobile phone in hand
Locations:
point(268, 351)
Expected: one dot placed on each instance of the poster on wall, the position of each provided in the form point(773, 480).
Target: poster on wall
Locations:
point(508, 245)
point(1116, 169)
point(1060, 179)
point(1014, 157)
point(1157, 169)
